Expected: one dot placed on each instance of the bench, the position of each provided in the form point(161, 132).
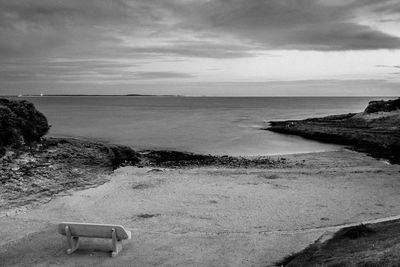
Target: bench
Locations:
point(74, 230)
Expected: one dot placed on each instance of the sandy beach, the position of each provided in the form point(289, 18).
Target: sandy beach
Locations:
point(208, 216)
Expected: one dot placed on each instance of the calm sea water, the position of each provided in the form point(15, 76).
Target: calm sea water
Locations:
point(216, 125)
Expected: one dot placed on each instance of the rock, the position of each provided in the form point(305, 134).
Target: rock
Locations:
point(123, 155)
point(177, 159)
point(80, 152)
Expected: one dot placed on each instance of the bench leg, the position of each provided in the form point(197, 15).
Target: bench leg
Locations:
point(117, 244)
point(73, 241)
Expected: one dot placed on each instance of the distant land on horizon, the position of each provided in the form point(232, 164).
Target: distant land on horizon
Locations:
point(38, 95)
point(167, 95)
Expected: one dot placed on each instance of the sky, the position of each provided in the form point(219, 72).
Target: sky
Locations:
point(200, 47)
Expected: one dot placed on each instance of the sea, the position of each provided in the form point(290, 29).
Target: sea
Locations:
point(209, 125)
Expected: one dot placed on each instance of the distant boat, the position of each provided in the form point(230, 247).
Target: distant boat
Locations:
point(41, 94)
point(20, 95)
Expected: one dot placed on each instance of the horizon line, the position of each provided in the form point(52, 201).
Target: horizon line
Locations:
point(171, 95)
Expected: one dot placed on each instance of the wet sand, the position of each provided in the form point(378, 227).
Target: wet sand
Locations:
point(208, 216)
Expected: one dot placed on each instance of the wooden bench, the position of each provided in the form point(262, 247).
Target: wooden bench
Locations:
point(75, 230)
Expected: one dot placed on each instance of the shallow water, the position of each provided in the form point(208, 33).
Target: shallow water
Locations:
point(216, 125)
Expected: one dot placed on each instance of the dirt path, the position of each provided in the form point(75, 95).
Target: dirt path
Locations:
point(208, 216)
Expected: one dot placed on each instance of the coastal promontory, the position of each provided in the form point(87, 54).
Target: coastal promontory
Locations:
point(376, 130)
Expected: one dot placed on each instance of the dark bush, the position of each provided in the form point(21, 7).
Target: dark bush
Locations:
point(383, 106)
point(20, 123)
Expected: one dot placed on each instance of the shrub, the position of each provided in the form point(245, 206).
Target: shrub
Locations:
point(20, 123)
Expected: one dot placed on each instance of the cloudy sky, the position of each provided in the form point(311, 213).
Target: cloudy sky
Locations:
point(200, 47)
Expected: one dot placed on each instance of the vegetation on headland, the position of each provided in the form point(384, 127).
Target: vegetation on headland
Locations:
point(20, 124)
point(375, 131)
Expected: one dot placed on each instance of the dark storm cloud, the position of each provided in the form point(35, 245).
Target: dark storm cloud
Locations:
point(106, 33)
point(36, 27)
point(301, 24)
point(30, 27)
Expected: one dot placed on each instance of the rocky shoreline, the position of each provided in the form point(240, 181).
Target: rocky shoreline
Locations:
point(54, 165)
point(375, 131)
point(38, 171)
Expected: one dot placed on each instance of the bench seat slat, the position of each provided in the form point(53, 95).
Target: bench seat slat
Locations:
point(94, 230)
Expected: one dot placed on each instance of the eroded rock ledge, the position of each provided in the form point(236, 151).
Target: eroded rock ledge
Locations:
point(54, 165)
point(375, 131)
